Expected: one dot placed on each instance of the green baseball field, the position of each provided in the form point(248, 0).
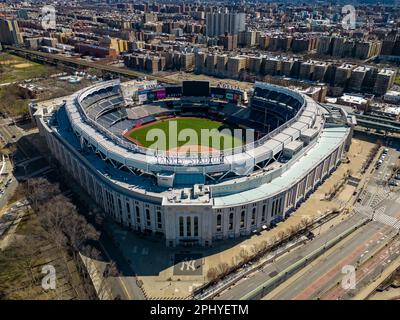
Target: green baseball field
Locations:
point(179, 134)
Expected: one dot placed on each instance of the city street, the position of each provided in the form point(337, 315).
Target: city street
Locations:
point(322, 279)
point(326, 270)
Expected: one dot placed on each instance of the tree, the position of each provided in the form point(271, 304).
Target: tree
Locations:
point(223, 269)
point(281, 235)
point(111, 270)
point(39, 190)
point(24, 255)
point(212, 274)
point(244, 255)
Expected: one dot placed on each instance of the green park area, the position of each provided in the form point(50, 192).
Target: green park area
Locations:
point(14, 68)
point(13, 100)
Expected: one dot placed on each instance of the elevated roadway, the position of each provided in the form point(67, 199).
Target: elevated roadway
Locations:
point(56, 58)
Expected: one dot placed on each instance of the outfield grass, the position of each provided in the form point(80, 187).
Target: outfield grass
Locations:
point(10, 71)
point(217, 139)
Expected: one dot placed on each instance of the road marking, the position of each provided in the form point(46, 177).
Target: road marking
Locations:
point(119, 278)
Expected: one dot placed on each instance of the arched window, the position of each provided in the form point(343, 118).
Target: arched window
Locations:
point(253, 217)
point(137, 215)
point(219, 221)
point(196, 226)
point(181, 228)
point(148, 220)
point(231, 221)
point(242, 217)
point(188, 226)
point(264, 210)
point(159, 220)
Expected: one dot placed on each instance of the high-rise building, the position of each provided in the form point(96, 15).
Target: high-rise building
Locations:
point(264, 42)
point(303, 44)
point(342, 75)
point(199, 62)
point(211, 62)
point(9, 32)
point(272, 66)
point(229, 41)
point(324, 45)
point(306, 70)
point(222, 61)
point(384, 80)
point(287, 66)
point(219, 23)
point(250, 38)
point(255, 64)
point(187, 61)
point(357, 78)
point(235, 65)
point(320, 71)
point(337, 48)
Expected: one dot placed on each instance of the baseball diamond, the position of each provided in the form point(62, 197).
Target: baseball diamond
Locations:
point(225, 133)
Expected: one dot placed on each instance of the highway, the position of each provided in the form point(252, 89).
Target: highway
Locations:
point(378, 201)
point(245, 286)
point(367, 272)
point(326, 272)
point(88, 64)
point(368, 249)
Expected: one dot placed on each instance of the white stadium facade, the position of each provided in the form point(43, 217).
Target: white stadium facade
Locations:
point(188, 200)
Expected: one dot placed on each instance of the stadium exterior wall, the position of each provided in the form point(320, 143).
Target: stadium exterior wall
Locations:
point(191, 223)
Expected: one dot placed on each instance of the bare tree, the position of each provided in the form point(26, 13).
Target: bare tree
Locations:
point(281, 235)
point(23, 255)
point(244, 255)
point(212, 274)
point(111, 270)
point(223, 269)
point(40, 190)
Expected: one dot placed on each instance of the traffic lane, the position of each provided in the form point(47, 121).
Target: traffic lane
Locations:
point(125, 285)
point(366, 272)
point(328, 270)
point(269, 271)
point(393, 206)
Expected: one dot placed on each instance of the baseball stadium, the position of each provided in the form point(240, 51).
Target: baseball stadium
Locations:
point(192, 164)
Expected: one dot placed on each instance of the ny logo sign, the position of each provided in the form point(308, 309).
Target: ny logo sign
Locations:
point(189, 264)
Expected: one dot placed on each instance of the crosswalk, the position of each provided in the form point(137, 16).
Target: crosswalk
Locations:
point(378, 197)
point(387, 220)
point(374, 206)
point(365, 196)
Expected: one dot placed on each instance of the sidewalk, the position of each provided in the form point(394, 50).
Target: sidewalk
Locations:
point(368, 290)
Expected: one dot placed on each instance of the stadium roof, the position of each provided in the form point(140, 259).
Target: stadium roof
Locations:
point(329, 140)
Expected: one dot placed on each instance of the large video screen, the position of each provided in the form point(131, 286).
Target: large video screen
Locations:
point(217, 92)
point(160, 93)
point(173, 91)
point(196, 88)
